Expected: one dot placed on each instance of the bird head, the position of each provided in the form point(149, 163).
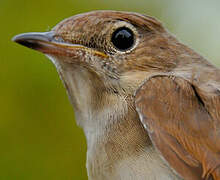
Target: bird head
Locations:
point(116, 48)
point(104, 54)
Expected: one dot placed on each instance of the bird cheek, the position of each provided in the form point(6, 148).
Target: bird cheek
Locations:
point(73, 56)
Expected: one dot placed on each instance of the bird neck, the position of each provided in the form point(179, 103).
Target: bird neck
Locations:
point(109, 120)
point(118, 147)
point(116, 135)
point(117, 143)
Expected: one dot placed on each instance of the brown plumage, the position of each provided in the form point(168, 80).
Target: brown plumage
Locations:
point(149, 109)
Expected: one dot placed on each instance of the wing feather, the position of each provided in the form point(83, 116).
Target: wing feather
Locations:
point(183, 123)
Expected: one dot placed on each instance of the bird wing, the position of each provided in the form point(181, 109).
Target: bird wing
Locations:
point(183, 123)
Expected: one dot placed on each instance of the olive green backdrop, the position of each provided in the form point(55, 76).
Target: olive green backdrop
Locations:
point(39, 138)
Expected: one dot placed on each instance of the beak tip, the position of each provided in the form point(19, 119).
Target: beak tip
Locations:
point(20, 39)
point(15, 39)
point(31, 40)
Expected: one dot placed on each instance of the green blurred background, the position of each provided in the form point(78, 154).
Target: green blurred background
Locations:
point(39, 138)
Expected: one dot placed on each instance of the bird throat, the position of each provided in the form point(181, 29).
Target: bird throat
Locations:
point(117, 144)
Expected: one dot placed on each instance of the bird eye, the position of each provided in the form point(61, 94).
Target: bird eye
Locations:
point(123, 38)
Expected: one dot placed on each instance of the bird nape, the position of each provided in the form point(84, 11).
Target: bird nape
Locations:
point(149, 105)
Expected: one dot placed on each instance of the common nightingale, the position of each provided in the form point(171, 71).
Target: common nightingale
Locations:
point(149, 105)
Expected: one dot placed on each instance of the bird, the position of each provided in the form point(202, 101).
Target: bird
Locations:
point(148, 104)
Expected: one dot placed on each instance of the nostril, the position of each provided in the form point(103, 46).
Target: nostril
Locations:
point(58, 38)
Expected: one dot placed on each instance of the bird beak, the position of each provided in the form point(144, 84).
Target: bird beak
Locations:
point(46, 43)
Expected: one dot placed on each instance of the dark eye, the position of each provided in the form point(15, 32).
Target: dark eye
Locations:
point(123, 38)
